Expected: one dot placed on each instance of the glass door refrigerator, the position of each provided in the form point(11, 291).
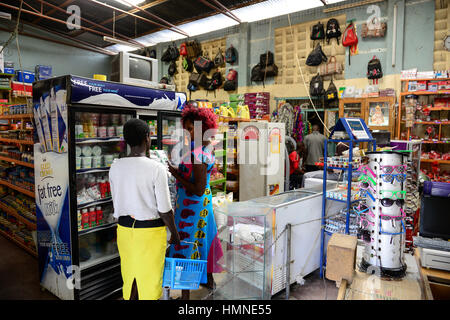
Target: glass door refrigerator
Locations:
point(79, 133)
point(166, 131)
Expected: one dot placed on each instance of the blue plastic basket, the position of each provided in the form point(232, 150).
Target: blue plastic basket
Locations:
point(183, 274)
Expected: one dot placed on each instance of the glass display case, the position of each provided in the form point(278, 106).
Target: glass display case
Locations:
point(351, 108)
point(253, 239)
point(244, 234)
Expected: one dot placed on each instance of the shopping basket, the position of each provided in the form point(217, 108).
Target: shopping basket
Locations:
point(183, 274)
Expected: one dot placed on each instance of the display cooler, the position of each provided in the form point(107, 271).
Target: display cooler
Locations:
point(79, 133)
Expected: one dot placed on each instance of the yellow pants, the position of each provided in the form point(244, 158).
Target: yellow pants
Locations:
point(142, 253)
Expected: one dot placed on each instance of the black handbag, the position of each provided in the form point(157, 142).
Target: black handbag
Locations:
point(316, 57)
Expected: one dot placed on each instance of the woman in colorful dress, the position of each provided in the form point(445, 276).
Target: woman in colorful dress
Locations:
point(194, 215)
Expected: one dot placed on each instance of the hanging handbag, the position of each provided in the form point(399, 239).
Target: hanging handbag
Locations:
point(316, 57)
point(378, 32)
point(330, 68)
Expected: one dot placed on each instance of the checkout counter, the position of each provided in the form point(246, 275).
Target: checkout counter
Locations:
point(257, 243)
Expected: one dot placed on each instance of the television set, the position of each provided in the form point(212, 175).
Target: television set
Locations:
point(434, 217)
point(134, 69)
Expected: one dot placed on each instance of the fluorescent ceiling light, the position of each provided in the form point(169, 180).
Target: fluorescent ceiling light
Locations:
point(135, 2)
point(118, 41)
point(260, 11)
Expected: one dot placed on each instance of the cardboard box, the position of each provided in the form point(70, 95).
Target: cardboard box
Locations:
point(341, 257)
point(43, 72)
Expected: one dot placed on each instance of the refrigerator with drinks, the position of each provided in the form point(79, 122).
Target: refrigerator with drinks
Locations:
point(79, 133)
point(261, 159)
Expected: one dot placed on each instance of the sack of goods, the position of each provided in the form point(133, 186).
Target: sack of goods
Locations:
point(331, 67)
point(316, 57)
point(316, 86)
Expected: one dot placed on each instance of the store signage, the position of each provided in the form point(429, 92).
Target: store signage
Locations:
point(357, 128)
point(250, 133)
point(51, 173)
point(96, 92)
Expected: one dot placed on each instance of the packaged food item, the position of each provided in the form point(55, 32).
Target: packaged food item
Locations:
point(101, 132)
point(86, 151)
point(97, 161)
point(78, 151)
point(111, 131)
point(79, 133)
point(80, 225)
point(109, 158)
point(86, 162)
point(78, 163)
point(96, 150)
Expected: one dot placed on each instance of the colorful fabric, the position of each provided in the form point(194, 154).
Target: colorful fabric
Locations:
point(194, 216)
point(142, 254)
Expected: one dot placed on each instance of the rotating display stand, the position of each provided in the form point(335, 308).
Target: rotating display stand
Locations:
point(382, 216)
point(352, 132)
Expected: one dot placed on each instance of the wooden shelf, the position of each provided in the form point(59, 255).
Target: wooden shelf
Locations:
point(5, 89)
point(16, 116)
point(431, 122)
point(435, 142)
point(425, 79)
point(14, 213)
point(435, 160)
point(19, 243)
point(16, 141)
point(21, 163)
point(424, 93)
point(19, 189)
point(9, 75)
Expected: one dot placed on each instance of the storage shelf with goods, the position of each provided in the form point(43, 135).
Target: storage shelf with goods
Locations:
point(18, 218)
point(424, 114)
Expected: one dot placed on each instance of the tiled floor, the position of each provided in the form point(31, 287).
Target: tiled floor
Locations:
point(19, 280)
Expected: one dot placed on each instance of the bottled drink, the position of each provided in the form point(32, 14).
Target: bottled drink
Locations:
point(108, 188)
point(80, 226)
point(85, 218)
point(92, 217)
point(99, 213)
point(103, 187)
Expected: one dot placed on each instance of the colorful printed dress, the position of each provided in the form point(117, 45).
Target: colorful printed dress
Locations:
point(194, 216)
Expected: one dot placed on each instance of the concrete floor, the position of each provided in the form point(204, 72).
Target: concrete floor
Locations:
point(19, 280)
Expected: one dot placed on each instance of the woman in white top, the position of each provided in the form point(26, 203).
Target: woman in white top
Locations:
point(142, 206)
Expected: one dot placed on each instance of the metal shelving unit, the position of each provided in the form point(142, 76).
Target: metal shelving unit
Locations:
point(341, 125)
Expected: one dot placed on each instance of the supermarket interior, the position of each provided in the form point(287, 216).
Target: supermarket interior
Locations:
point(224, 150)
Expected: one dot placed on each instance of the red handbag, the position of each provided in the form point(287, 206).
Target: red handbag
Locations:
point(349, 38)
point(183, 49)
